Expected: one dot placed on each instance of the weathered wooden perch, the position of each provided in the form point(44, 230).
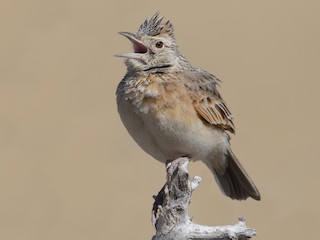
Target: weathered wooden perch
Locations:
point(170, 210)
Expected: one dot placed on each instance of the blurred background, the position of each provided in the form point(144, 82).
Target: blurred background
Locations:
point(69, 169)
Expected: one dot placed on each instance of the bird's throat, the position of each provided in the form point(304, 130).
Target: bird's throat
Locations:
point(156, 69)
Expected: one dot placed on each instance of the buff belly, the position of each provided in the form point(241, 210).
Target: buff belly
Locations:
point(170, 134)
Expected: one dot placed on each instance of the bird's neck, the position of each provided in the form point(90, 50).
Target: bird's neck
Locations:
point(159, 69)
point(180, 64)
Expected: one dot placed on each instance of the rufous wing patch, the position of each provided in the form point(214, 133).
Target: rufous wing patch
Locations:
point(215, 112)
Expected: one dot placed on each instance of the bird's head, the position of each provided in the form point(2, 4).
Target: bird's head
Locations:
point(154, 45)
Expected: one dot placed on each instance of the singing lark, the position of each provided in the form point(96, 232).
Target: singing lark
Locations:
point(172, 109)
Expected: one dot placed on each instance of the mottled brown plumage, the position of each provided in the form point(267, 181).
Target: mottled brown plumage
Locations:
point(172, 109)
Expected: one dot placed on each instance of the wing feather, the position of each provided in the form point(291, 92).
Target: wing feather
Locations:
point(207, 101)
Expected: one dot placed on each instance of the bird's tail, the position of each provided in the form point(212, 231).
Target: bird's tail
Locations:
point(235, 182)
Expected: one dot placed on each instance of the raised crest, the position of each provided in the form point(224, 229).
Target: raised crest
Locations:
point(155, 26)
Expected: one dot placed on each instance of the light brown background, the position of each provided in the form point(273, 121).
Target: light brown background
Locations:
point(69, 170)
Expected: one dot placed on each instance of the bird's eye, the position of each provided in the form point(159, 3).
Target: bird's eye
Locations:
point(159, 44)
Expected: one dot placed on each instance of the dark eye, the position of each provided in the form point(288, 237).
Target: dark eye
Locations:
point(159, 44)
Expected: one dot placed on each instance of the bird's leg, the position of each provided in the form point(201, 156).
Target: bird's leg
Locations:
point(173, 162)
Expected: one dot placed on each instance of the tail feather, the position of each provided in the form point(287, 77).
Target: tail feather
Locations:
point(235, 182)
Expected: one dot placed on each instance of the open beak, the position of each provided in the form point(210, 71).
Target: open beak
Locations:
point(139, 48)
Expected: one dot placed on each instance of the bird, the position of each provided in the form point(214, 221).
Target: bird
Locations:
point(173, 109)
